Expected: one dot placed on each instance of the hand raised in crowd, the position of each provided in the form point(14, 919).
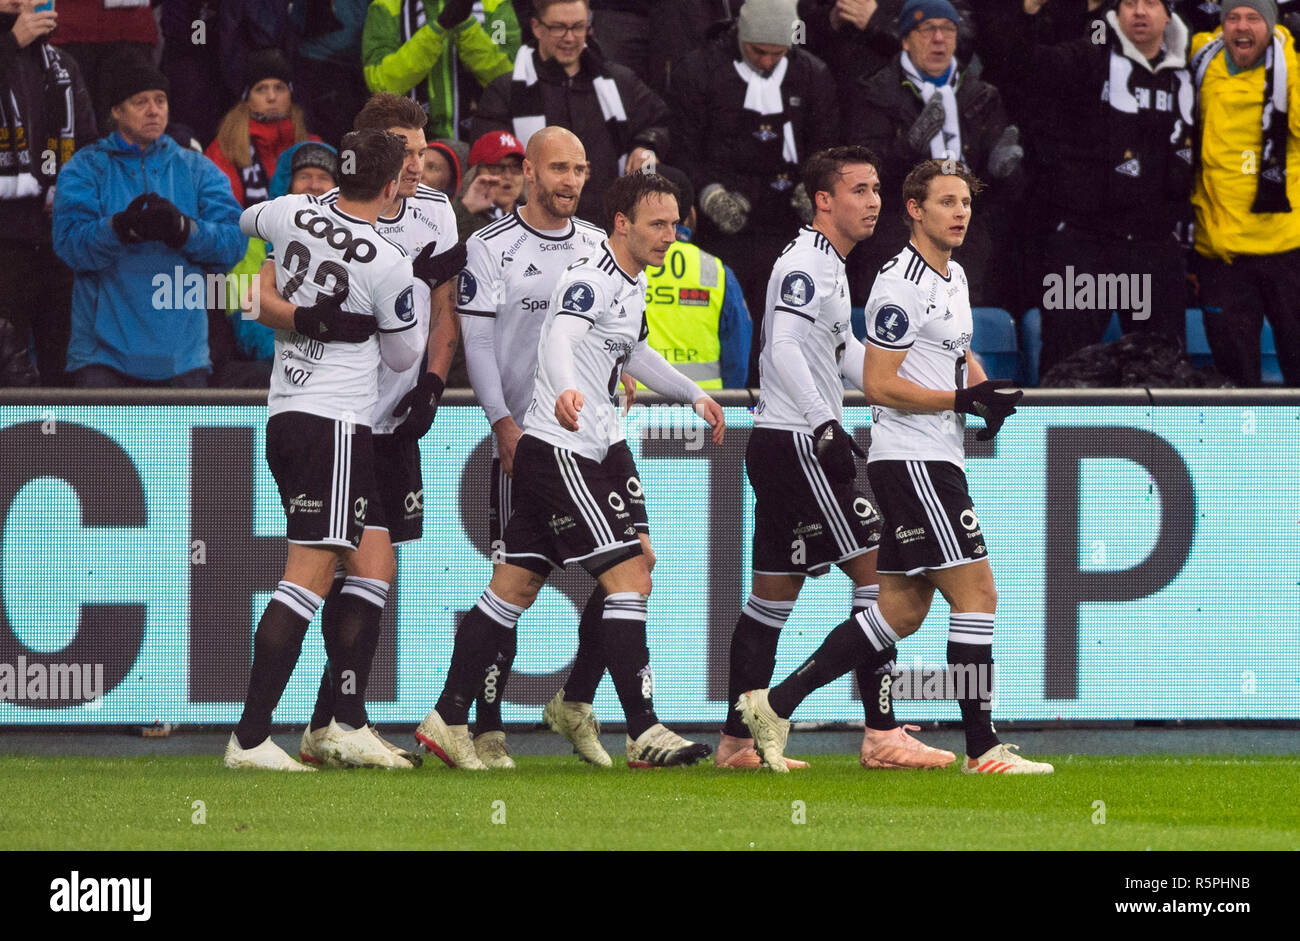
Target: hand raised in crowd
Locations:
point(31, 25)
point(727, 210)
point(927, 124)
point(478, 195)
point(641, 158)
point(856, 13)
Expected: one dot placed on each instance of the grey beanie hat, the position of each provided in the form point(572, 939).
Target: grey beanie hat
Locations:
point(1265, 8)
point(768, 22)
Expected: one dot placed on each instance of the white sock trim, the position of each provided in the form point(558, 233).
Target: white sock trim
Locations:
point(302, 602)
point(373, 590)
point(503, 612)
point(877, 629)
point(625, 606)
point(772, 613)
point(971, 628)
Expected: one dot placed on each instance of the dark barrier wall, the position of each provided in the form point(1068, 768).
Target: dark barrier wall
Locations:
point(1144, 546)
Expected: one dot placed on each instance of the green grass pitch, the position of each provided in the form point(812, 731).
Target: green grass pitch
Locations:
point(1151, 802)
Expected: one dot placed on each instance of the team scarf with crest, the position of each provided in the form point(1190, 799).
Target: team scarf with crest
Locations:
point(1270, 191)
point(528, 107)
point(763, 96)
point(19, 177)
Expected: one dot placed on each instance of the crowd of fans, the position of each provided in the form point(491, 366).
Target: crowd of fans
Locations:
point(1121, 140)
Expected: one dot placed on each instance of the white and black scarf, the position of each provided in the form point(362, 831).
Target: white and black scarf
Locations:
point(19, 177)
point(1270, 191)
point(763, 96)
point(946, 143)
point(528, 106)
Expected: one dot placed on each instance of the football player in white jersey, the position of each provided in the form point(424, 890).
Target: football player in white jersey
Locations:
point(574, 478)
point(511, 270)
point(808, 514)
point(318, 441)
point(416, 219)
point(921, 378)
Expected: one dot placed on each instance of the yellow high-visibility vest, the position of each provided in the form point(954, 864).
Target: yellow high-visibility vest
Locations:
point(683, 309)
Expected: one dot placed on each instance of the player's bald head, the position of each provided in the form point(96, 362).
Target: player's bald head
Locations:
point(549, 140)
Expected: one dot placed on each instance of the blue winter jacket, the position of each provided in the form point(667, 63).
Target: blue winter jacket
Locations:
point(123, 316)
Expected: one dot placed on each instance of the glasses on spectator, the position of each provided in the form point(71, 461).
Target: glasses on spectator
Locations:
point(946, 30)
point(498, 169)
point(557, 30)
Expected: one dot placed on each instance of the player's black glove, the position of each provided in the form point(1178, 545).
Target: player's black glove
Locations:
point(990, 404)
point(125, 222)
point(161, 221)
point(327, 321)
point(835, 448)
point(423, 403)
point(438, 268)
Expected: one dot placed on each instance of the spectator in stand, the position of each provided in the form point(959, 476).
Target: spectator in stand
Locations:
point(695, 310)
point(444, 165)
point(99, 36)
point(747, 109)
point(567, 83)
point(651, 36)
point(439, 51)
point(1115, 164)
point(46, 115)
point(130, 212)
point(242, 348)
point(255, 132)
point(1247, 192)
point(858, 38)
point(922, 106)
point(327, 63)
point(494, 183)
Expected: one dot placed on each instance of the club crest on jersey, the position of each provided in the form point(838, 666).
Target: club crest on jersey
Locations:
point(468, 287)
point(579, 297)
point(891, 323)
point(797, 289)
point(405, 306)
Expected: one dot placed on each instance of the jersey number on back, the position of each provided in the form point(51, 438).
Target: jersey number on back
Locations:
point(297, 261)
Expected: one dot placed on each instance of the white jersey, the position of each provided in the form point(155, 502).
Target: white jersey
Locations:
point(423, 218)
point(808, 281)
point(914, 308)
point(320, 251)
point(510, 274)
point(597, 290)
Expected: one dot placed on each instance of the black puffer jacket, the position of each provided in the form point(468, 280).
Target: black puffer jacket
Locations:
point(570, 101)
point(716, 140)
point(884, 108)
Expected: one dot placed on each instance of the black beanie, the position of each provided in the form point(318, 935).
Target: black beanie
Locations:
point(129, 80)
point(264, 64)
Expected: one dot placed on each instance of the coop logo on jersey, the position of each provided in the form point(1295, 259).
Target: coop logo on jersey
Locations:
point(579, 297)
point(405, 306)
point(891, 323)
point(797, 289)
point(468, 287)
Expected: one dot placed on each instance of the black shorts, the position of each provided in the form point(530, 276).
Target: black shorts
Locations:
point(566, 508)
point(930, 521)
point(501, 493)
point(803, 522)
point(324, 470)
point(400, 488)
